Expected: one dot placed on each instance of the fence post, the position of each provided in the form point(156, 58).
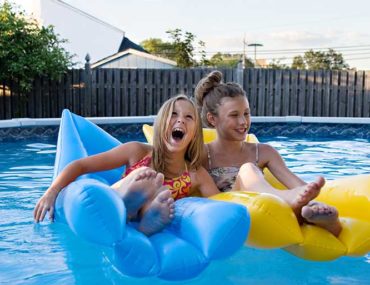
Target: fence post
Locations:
point(88, 87)
point(240, 73)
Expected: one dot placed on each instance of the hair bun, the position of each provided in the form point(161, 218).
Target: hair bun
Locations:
point(206, 84)
point(215, 77)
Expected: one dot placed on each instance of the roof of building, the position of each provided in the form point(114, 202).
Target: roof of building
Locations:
point(134, 52)
point(128, 44)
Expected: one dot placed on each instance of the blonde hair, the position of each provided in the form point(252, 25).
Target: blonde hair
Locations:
point(194, 152)
point(209, 92)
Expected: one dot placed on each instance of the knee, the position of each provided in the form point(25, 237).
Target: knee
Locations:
point(248, 167)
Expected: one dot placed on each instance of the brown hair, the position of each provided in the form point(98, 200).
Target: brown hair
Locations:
point(209, 92)
point(195, 149)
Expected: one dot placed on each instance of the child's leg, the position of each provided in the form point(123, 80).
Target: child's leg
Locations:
point(250, 178)
point(137, 188)
point(322, 215)
point(157, 213)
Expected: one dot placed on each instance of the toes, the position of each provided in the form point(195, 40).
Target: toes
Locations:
point(159, 178)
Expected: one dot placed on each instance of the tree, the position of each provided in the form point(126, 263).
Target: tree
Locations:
point(184, 47)
point(180, 48)
point(298, 62)
point(160, 48)
point(320, 60)
point(227, 60)
point(27, 50)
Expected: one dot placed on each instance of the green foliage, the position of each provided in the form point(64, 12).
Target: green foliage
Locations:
point(159, 48)
point(180, 48)
point(27, 50)
point(184, 47)
point(320, 60)
point(203, 57)
point(226, 60)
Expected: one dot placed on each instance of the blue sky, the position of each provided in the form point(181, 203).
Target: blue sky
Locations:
point(285, 28)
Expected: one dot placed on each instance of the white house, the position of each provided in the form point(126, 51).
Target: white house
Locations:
point(84, 32)
point(132, 58)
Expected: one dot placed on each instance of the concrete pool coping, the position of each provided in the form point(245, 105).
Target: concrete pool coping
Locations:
point(27, 122)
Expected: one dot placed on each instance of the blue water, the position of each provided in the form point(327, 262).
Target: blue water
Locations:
point(51, 254)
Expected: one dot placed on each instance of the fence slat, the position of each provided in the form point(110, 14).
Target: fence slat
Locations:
point(269, 92)
point(278, 93)
point(133, 92)
point(366, 105)
point(334, 94)
point(359, 93)
point(326, 93)
point(319, 89)
point(342, 97)
point(350, 94)
point(310, 93)
point(293, 109)
point(285, 93)
point(261, 103)
point(108, 84)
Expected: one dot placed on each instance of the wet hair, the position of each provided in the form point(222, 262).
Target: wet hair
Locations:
point(194, 152)
point(209, 92)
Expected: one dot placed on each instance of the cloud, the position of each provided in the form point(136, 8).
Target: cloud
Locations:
point(326, 38)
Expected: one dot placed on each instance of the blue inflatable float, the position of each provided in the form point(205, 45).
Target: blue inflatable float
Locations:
point(202, 230)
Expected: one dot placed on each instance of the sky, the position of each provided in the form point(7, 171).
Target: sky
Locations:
point(285, 28)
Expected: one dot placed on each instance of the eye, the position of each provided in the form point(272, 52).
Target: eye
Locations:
point(190, 117)
point(174, 114)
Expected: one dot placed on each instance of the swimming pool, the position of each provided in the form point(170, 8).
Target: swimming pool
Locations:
point(51, 254)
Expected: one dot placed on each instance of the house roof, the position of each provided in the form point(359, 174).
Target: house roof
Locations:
point(135, 52)
point(128, 44)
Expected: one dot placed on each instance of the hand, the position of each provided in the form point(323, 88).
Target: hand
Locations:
point(45, 204)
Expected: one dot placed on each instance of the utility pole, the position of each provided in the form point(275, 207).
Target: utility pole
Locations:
point(255, 45)
point(244, 52)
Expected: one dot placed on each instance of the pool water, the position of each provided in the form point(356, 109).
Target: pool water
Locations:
point(51, 254)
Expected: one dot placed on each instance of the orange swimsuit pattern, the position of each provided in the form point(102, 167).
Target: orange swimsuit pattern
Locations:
point(179, 186)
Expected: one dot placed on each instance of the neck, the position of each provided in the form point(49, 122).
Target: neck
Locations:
point(175, 165)
point(230, 146)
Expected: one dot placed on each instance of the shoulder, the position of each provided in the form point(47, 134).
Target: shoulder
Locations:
point(266, 148)
point(267, 152)
point(134, 149)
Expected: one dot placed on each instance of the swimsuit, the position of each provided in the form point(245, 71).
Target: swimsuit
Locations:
point(225, 176)
point(179, 186)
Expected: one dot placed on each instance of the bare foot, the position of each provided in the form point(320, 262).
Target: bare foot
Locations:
point(138, 187)
point(298, 197)
point(158, 214)
point(322, 215)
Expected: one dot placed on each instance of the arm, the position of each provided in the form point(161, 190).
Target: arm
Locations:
point(116, 157)
point(203, 182)
point(270, 158)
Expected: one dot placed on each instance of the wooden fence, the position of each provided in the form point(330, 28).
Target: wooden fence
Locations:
point(140, 92)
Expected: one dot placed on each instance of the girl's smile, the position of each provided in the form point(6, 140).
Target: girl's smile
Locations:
point(182, 125)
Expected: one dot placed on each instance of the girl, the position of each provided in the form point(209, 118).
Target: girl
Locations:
point(173, 161)
point(237, 165)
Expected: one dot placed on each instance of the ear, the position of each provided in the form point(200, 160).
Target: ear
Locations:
point(211, 119)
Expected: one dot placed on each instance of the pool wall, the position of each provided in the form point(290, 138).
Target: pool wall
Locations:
point(261, 126)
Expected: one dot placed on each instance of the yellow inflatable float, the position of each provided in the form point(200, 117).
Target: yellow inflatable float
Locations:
point(274, 225)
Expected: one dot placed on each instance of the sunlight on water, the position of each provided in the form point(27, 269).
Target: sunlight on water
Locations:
point(51, 254)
